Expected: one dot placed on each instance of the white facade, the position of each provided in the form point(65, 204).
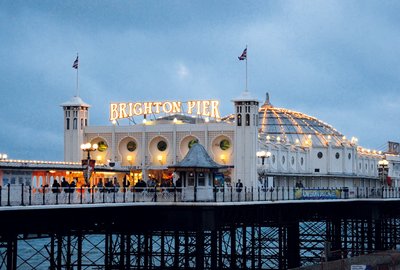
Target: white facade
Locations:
point(302, 148)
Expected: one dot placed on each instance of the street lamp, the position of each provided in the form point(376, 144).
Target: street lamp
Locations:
point(263, 155)
point(383, 170)
point(89, 163)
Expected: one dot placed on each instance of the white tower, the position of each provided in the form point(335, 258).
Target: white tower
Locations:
point(76, 117)
point(246, 138)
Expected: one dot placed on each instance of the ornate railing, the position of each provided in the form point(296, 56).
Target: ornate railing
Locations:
point(22, 195)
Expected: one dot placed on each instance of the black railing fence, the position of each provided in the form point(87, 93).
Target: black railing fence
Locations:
point(22, 195)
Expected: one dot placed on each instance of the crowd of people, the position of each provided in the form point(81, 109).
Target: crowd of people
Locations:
point(113, 185)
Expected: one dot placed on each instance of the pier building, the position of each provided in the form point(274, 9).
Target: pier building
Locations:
point(260, 144)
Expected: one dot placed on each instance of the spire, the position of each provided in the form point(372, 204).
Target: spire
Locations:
point(267, 103)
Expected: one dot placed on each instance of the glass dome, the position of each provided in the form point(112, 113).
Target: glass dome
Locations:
point(286, 126)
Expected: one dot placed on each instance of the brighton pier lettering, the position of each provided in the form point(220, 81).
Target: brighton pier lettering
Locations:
point(208, 108)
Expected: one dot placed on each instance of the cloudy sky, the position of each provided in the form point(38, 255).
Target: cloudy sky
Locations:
point(338, 61)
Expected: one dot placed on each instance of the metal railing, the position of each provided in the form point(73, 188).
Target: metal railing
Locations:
point(21, 195)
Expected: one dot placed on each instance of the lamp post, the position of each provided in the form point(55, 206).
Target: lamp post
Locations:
point(383, 170)
point(88, 147)
point(263, 155)
point(262, 173)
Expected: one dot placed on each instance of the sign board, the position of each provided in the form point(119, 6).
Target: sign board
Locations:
point(208, 108)
point(316, 194)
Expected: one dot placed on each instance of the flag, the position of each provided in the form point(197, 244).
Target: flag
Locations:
point(75, 65)
point(244, 55)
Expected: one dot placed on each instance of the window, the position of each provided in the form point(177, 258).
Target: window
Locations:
point(102, 146)
point(224, 144)
point(283, 159)
point(292, 160)
point(337, 155)
point(273, 159)
point(85, 122)
point(161, 146)
point(75, 125)
point(320, 155)
point(201, 178)
point(349, 156)
point(239, 120)
point(190, 179)
point(316, 170)
point(81, 123)
point(192, 142)
point(301, 161)
point(247, 119)
point(131, 146)
point(67, 123)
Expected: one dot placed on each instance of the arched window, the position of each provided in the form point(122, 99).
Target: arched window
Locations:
point(75, 123)
point(239, 120)
point(247, 119)
point(67, 123)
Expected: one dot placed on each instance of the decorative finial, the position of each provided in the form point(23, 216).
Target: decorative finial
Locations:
point(267, 98)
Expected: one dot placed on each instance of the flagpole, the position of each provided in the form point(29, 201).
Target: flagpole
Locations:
point(77, 77)
point(246, 69)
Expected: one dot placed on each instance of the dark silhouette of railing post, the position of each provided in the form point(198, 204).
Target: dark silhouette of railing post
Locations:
point(22, 194)
point(30, 195)
point(223, 193)
point(1, 191)
point(215, 193)
point(92, 194)
point(231, 194)
point(258, 190)
point(8, 194)
point(44, 195)
point(104, 194)
point(134, 194)
point(174, 193)
point(81, 194)
point(57, 191)
point(155, 193)
point(114, 191)
point(195, 193)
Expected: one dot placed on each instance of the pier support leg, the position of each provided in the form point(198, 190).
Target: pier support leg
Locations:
point(293, 245)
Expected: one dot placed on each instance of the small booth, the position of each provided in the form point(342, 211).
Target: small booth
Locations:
point(196, 173)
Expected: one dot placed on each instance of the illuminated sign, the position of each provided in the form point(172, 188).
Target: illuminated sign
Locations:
point(208, 108)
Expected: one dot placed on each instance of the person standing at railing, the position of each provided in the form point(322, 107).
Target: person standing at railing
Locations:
point(239, 186)
point(55, 188)
point(64, 185)
point(72, 186)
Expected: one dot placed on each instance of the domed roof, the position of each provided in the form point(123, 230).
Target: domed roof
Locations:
point(286, 126)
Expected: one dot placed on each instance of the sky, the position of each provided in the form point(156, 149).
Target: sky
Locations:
point(338, 61)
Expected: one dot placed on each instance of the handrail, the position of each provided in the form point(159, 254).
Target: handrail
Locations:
point(25, 195)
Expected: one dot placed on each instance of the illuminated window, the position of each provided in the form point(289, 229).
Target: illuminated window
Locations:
point(224, 144)
point(102, 146)
point(239, 120)
point(131, 146)
point(161, 146)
